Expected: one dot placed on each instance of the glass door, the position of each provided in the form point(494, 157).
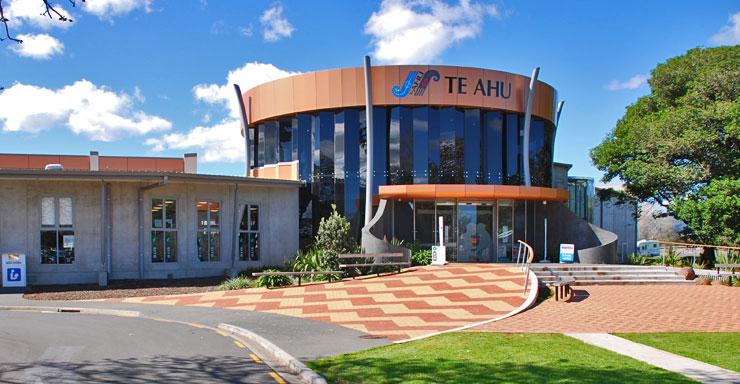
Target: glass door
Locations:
point(447, 210)
point(505, 231)
point(475, 223)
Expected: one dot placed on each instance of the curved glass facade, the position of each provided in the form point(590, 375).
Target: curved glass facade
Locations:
point(413, 145)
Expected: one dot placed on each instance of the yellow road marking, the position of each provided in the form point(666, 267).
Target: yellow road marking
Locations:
point(255, 358)
point(196, 325)
point(238, 344)
point(277, 378)
point(222, 333)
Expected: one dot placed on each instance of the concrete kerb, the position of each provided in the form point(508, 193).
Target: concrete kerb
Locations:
point(85, 311)
point(276, 354)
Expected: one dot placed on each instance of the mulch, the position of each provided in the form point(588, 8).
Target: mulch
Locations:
point(123, 288)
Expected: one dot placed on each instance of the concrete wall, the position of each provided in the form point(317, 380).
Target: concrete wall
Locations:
point(20, 225)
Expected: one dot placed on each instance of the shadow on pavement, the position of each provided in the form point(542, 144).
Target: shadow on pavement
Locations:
point(155, 369)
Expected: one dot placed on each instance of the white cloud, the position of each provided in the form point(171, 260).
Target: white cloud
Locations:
point(419, 31)
point(40, 46)
point(634, 82)
point(31, 12)
point(729, 34)
point(105, 9)
point(274, 25)
point(84, 108)
point(221, 141)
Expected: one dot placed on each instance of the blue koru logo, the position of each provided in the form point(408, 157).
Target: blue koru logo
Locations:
point(416, 83)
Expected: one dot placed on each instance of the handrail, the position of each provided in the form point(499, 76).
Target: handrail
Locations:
point(696, 245)
point(526, 261)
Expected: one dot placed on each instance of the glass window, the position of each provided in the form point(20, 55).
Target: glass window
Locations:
point(164, 231)
point(433, 137)
point(472, 145)
point(57, 232)
point(249, 234)
point(513, 153)
point(424, 227)
point(451, 146)
point(271, 142)
point(260, 145)
point(381, 119)
point(421, 145)
point(302, 144)
point(286, 140)
point(209, 234)
point(350, 195)
point(494, 148)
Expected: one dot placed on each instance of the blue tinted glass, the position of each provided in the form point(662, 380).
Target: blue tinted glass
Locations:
point(513, 155)
point(472, 147)
point(260, 145)
point(271, 142)
point(433, 137)
point(494, 148)
point(285, 137)
point(421, 144)
point(537, 154)
point(451, 161)
point(351, 164)
point(381, 123)
point(302, 140)
point(406, 150)
point(394, 145)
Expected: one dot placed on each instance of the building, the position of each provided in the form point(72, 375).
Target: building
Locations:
point(100, 218)
point(452, 148)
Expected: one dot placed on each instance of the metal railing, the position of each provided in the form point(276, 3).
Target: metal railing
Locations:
point(526, 258)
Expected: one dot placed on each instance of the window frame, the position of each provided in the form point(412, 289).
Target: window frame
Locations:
point(208, 230)
point(247, 232)
point(164, 231)
point(57, 228)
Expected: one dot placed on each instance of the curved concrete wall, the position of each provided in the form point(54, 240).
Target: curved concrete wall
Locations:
point(375, 233)
point(593, 244)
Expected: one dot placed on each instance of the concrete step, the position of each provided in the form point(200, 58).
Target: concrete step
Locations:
point(613, 277)
point(605, 273)
point(633, 282)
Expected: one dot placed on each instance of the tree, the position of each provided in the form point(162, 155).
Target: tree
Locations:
point(49, 11)
point(680, 145)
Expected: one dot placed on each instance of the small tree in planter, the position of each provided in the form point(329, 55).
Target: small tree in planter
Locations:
point(333, 238)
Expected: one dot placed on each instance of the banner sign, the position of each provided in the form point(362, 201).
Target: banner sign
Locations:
point(14, 270)
point(567, 253)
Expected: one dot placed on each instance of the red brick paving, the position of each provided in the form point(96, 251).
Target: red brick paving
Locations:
point(646, 308)
point(415, 303)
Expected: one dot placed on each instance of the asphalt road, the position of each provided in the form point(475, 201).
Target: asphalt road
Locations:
point(76, 348)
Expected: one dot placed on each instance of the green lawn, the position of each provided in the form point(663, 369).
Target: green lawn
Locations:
point(462, 358)
point(720, 349)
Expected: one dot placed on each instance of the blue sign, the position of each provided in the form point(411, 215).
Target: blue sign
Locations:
point(567, 253)
point(14, 274)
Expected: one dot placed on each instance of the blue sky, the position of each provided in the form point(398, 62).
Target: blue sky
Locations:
point(149, 77)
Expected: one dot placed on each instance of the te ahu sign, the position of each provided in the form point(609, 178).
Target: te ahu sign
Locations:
point(417, 82)
point(14, 270)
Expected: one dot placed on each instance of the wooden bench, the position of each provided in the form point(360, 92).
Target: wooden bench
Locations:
point(563, 289)
point(376, 262)
point(300, 274)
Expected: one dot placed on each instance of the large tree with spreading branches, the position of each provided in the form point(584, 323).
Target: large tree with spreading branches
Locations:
point(49, 11)
point(679, 146)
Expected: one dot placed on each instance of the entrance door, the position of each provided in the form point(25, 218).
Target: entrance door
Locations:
point(505, 231)
point(475, 239)
point(446, 210)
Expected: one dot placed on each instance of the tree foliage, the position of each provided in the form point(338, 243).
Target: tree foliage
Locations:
point(673, 145)
point(334, 236)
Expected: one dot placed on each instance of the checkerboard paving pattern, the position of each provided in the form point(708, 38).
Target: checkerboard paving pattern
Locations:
point(417, 302)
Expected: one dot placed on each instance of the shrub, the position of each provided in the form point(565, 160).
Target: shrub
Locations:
point(334, 236)
point(238, 282)
point(314, 260)
point(247, 272)
point(735, 281)
point(273, 281)
point(421, 257)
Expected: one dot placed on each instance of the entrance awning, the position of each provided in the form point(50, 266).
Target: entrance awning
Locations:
point(470, 191)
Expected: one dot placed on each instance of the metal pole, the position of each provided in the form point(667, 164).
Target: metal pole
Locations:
point(527, 124)
point(544, 255)
point(369, 133)
point(245, 128)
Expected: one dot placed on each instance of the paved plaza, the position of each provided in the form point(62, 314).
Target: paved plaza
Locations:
point(417, 302)
point(632, 308)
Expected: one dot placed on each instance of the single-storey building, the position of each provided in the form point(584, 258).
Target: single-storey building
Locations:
point(88, 219)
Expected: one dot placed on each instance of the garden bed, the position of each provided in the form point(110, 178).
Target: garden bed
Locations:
point(123, 288)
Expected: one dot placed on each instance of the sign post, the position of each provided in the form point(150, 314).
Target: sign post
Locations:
point(567, 253)
point(439, 252)
point(14, 270)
